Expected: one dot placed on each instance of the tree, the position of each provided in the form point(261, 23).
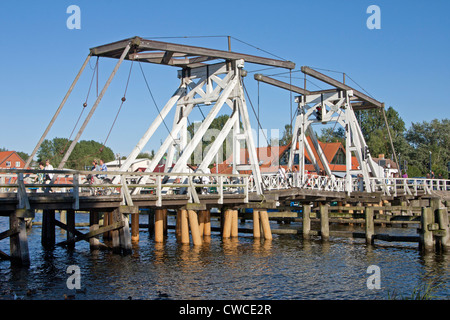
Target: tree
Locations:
point(81, 157)
point(431, 136)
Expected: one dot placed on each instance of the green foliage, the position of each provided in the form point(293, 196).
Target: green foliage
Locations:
point(431, 136)
point(81, 156)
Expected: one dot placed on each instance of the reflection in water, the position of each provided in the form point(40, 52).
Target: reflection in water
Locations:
point(286, 267)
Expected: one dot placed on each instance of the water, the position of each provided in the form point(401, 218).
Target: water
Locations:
point(282, 269)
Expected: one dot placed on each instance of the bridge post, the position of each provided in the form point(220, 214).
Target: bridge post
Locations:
point(18, 241)
point(227, 223)
point(369, 225)
point(426, 235)
point(193, 224)
point(184, 224)
point(324, 222)
point(306, 224)
point(256, 225)
point(94, 243)
point(135, 227)
point(70, 222)
point(264, 218)
point(159, 225)
point(48, 228)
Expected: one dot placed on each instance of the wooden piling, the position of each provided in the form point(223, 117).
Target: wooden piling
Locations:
point(121, 238)
point(426, 235)
point(234, 223)
point(135, 227)
point(193, 224)
point(442, 217)
point(227, 224)
point(94, 243)
point(184, 227)
point(159, 225)
point(70, 218)
point(151, 222)
point(264, 218)
point(306, 224)
point(48, 228)
point(18, 242)
point(207, 222)
point(201, 222)
point(369, 225)
point(256, 224)
point(324, 222)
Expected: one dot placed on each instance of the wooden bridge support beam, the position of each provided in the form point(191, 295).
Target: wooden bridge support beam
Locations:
point(121, 238)
point(48, 228)
point(94, 243)
point(256, 224)
point(306, 224)
point(19, 253)
point(369, 225)
point(265, 224)
point(70, 222)
point(135, 227)
point(324, 222)
point(159, 225)
point(193, 225)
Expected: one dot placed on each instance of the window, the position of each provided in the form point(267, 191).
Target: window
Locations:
point(8, 164)
point(17, 164)
point(339, 158)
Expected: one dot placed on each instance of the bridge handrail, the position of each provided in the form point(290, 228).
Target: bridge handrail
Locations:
point(19, 180)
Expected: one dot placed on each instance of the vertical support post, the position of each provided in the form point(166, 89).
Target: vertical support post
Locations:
point(264, 218)
point(256, 225)
point(324, 222)
point(159, 225)
point(201, 222)
point(227, 224)
point(70, 228)
point(18, 242)
point(369, 225)
point(184, 227)
point(207, 221)
point(178, 225)
point(48, 228)
point(76, 191)
point(234, 223)
point(306, 225)
point(426, 235)
point(94, 243)
point(151, 222)
point(442, 217)
point(121, 238)
point(135, 227)
point(193, 223)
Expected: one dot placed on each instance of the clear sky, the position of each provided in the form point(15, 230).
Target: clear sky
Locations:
point(404, 64)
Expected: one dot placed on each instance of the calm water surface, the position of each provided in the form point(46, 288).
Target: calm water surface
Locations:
point(285, 268)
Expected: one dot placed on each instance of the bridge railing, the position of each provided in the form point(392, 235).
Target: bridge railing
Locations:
point(388, 186)
point(409, 186)
point(79, 183)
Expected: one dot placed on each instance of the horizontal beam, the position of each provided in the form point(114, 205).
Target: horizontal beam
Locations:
point(340, 85)
point(281, 84)
point(138, 44)
point(287, 86)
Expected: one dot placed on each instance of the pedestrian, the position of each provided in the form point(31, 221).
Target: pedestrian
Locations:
point(103, 167)
point(48, 176)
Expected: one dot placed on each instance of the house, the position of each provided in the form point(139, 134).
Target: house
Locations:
point(271, 158)
point(386, 167)
point(11, 160)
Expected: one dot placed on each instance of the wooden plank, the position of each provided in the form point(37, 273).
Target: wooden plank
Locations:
point(340, 85)
point(93, 233)
point(114, 49)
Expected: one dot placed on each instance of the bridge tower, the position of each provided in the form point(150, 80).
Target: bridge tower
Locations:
point(337, 106)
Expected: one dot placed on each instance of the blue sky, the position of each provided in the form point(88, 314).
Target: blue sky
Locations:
point(404, 64)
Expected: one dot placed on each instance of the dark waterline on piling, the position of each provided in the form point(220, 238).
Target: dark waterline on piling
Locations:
point(285, 268)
